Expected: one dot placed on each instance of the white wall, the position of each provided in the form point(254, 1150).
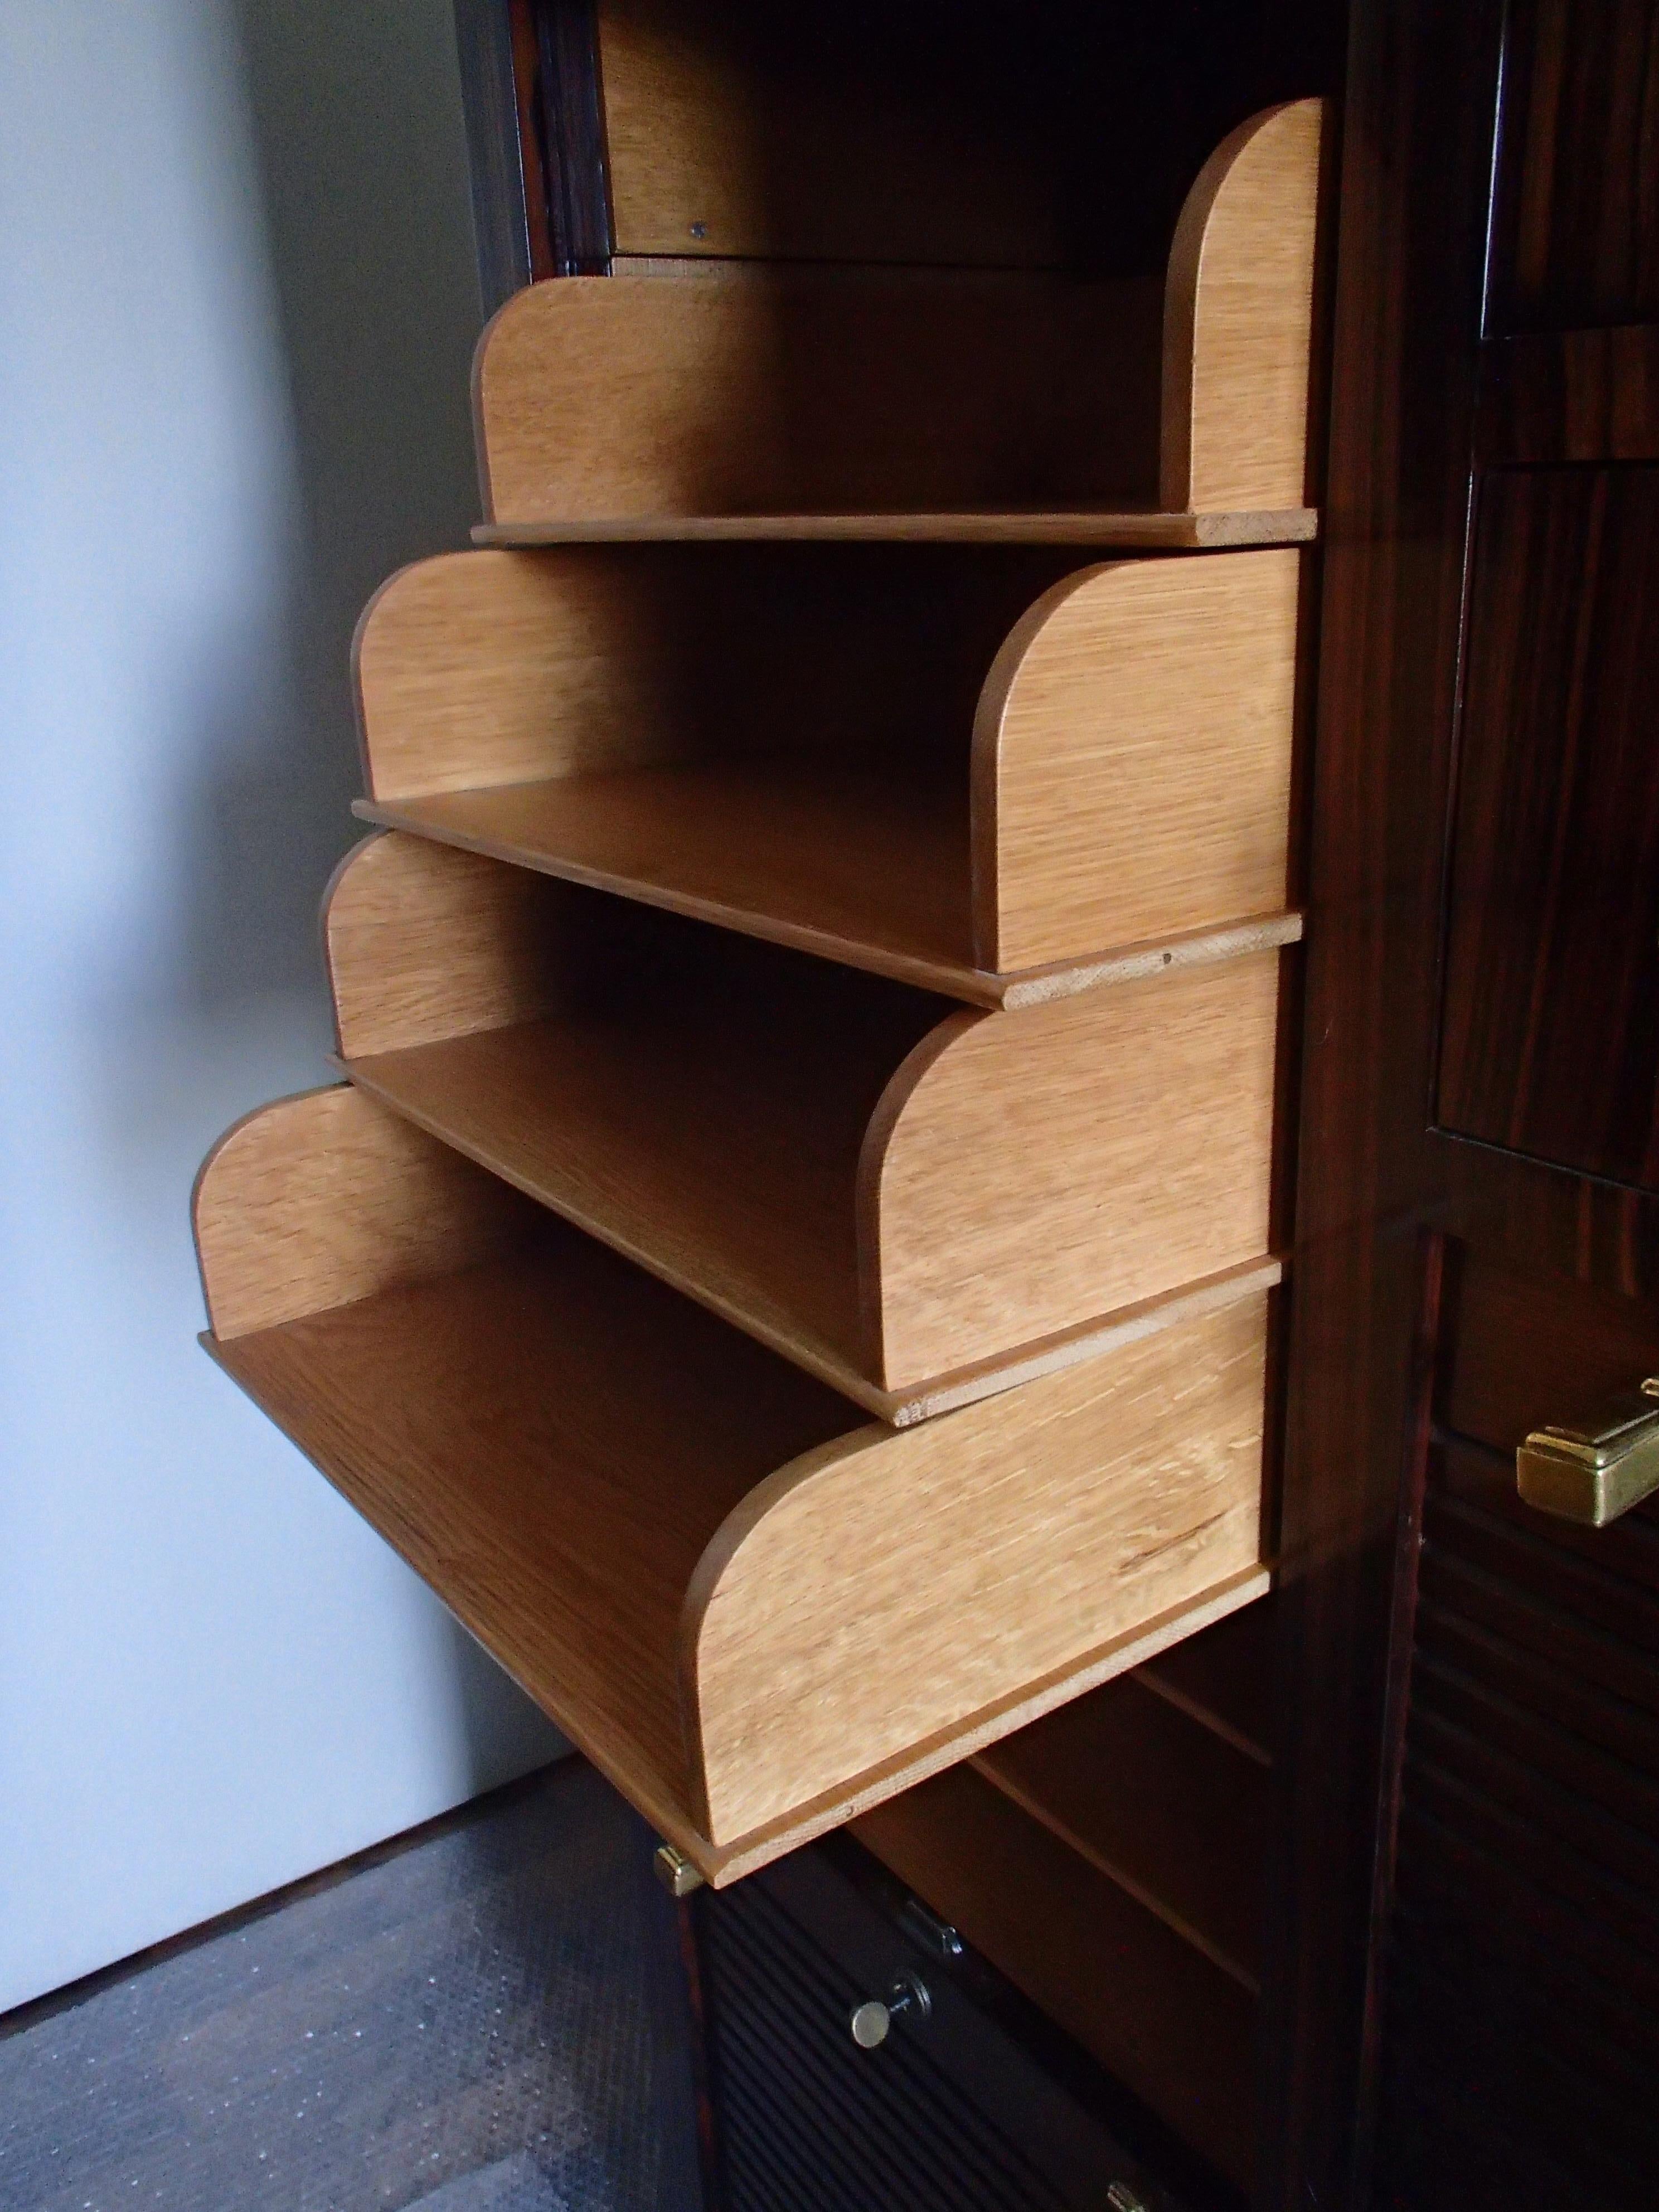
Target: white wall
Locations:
point(237, 303)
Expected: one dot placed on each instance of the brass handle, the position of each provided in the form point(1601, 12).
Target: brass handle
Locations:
point(1592, 1471)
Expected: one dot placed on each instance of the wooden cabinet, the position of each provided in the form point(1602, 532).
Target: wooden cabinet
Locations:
point(1466, 1891)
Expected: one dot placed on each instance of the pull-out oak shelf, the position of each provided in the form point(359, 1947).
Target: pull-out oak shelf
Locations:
point(968, 405)
point(989, 774)
point(758, 1614)
point(920, 1205)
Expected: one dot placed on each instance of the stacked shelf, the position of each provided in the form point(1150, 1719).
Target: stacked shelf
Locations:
point(795, 982)
point(1137, 1817)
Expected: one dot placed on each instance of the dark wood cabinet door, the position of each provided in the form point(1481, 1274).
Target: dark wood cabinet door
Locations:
point(1467, 2009)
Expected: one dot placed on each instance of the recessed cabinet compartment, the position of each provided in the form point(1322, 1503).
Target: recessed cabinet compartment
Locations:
point(920, 1204)
point(818, 401)
point(758, 1612)
point(987, 771)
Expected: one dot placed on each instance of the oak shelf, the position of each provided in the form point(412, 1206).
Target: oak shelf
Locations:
point(858, 859)
point(831, 1161)
point(1119, 529)
point(819, 956)
point(698, 1560)
point(989, 773)
point(731, 401)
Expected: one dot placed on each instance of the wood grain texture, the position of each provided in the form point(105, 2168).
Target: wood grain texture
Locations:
point(321, 1199)
point(1224, 1679)
point(803, 1148)
point(795, 392)
point(1132, 1131)
point(1238, 319)
point(554, 1441)
point(1151, 2007)
point(829, 1626)
point(1527, 1348)
point(1568, 396)
point(1141, 528)
point(1550, 1031)
point(1132, 757)
point(482, 669)
point(638, 722)
point(760, 132)
point(854, 861)
point(1416, 144)
point(1172, 1812)
point(698, 1102)
point(1573, 239)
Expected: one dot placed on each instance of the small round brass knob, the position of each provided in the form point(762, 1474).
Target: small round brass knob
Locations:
point(872, 2020)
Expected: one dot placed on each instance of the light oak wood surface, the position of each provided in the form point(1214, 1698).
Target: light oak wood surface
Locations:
point(743, 133)
point(1238, 319)
point(816, 1627)
point(830, 392)
point(1131, 758)
point(1107, 755)
point(318, 1200)
point(1132, 528)
point(1152, 2009)
point(1175, 1814)
point(1028, 1169)
point(806, 1149)
point(794, 400)
point(584, 1467)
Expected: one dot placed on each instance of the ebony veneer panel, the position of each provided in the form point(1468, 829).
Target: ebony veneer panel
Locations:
point(1550, 1037)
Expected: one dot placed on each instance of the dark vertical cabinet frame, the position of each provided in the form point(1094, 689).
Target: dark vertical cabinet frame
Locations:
point(1465, 1910)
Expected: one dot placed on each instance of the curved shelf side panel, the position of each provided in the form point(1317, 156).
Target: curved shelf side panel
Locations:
point(1238, 319)
point(485, 668)
point(897, 1590)
point(1030, 1170)
point(320, 1200)
point(743, 392)
point(1131, 758)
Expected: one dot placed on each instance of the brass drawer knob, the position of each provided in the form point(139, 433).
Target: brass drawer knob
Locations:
point(1592, 1471)
point(870, 2022)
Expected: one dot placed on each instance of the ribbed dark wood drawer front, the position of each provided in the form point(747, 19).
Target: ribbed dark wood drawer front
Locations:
point(1523, 1968)
point(947, 2114)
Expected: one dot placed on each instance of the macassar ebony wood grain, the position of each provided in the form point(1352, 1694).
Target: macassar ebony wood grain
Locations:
point(1575, 242)
point(1409, 253)
point(1571, 396)
point(697, 1559)
point(572, 136)
point(1152, 2009)
point(1550, 1042)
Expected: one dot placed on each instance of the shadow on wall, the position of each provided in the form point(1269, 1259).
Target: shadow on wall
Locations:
point(355, 137)
point(376, 299)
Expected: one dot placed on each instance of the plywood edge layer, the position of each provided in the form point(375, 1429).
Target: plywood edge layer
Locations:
point(1193, 948)
point(1170, 529)
point(966, 1386)
point(730, 1863)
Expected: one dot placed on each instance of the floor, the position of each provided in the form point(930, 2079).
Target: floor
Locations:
point(490, 2019)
